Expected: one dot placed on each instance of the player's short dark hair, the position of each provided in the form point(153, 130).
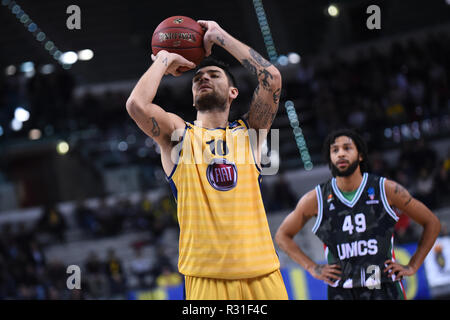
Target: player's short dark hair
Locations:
point(211, 61)
point(357, 139)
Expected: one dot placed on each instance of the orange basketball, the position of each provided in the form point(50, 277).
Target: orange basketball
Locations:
point(181, 35)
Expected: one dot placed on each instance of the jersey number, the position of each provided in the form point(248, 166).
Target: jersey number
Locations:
point(360, 222)
point(220, 146)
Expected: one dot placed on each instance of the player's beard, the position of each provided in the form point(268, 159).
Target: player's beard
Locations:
point(211, 101)
point(347, 172)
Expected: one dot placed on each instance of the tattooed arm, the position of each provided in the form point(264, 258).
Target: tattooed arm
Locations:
point(151, 118)
point(400, 198)
point(264, 105)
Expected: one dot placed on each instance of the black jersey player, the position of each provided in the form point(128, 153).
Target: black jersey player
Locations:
point(355, 220)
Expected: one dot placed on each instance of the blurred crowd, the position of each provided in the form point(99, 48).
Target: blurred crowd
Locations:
point(110, 220)
point(26, 273)
point(376, 90)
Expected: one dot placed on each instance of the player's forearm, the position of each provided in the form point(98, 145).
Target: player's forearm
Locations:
point(145, 90)
point(430, 232)
point(288, 245)
point(264, 104)
point(268, 75)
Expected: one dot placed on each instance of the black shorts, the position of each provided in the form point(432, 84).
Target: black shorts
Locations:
point(388, 291)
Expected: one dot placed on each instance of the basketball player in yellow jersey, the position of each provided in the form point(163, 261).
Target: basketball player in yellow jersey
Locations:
point(225, 249)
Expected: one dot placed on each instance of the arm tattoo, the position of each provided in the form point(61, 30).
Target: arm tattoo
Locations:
point(164, 61)
point(256, 90)
point(249, 66)
point(264, 105)
point(155, 129)
point(260, 60)
point(221, 40)
point(261, 112)
point(318, 269)
point(399, 189)
point(276, 96)
point(408, 201)
point(265, 75)
point(403, 193)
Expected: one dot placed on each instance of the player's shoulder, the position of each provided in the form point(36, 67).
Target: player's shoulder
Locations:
point(310, 197)
point(391, 185)
point(394, 190)
point(308, 204)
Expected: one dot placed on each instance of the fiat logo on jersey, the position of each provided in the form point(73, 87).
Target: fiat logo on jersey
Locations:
point(222, 174)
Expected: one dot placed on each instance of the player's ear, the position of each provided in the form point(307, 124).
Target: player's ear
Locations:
point(233, 92)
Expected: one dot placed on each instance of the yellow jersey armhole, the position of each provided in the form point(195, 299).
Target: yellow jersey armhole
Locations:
point(174, 170)
point(258, 169)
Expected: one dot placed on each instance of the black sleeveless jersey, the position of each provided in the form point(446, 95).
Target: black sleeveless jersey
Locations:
point(358, 234)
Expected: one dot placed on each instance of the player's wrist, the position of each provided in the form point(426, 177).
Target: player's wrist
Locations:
point(310, 268)
point(165, 58)
point(223, 38)
point(412, 268)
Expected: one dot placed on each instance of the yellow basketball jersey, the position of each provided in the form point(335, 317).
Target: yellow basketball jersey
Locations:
point(224, 231)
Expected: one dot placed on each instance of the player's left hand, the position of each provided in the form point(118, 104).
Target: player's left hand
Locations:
point(173, 62)
point(399, 270)
point(214, 35)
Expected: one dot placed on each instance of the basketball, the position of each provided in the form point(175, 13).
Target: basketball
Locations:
point(181, 35)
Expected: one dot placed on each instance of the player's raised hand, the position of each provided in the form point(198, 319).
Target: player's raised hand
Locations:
point(326, 272)
point(174, 62)
point(214, 35)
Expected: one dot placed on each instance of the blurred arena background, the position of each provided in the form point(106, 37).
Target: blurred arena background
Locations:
point(80, 184)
